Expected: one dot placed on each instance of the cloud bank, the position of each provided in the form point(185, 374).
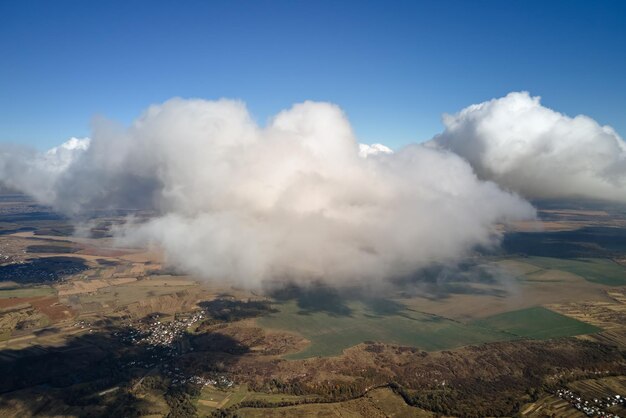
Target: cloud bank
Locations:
point(537, 152)
point(298, 198)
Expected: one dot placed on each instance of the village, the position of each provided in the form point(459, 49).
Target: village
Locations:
point(162, 339)
point(159, 333)
point(595, 407)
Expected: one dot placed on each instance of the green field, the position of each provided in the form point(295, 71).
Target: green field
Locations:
point(211, 394)
point(376, 401)
point(233, 396)
point(135, 291)
point(536, 323)
point(331, 333)
point(26, 292)
point(596, 270)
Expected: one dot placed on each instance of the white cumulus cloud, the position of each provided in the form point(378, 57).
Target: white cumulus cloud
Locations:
point(366, 150)
point(295, 199)
point(537, 152)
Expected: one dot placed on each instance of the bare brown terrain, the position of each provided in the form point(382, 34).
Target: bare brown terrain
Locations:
point(107, 331)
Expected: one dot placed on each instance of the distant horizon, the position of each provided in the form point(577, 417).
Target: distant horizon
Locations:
point(41, 147)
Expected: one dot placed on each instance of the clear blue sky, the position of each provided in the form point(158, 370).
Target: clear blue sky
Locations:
point(393, 66)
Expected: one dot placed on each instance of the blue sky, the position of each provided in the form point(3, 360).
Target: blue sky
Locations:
point(393, 66)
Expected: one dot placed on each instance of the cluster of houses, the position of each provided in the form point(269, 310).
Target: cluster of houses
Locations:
point(162, 341)
point(10, 253)
point(157, 356)
point(179, 378)
point(82, 324)
point(161, 338)
point(159, 333)
point(6, 257)
point(592, 408)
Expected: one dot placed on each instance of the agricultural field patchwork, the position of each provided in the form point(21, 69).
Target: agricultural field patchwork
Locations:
point(445, 341)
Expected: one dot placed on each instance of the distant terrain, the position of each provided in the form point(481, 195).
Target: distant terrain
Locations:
point(536, 328)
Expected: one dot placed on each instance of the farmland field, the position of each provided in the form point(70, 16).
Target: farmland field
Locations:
point(330, 334)
point(212, 398)
point(596, 270)
point(377, 403)
point(26, 292)
point(138, 290)
point(536, 323)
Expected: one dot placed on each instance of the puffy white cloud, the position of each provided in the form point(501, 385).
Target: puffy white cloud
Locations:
point(365, 150)
point(61, 157)
point(537, 152)
point(36, 173)
point(295, 199)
